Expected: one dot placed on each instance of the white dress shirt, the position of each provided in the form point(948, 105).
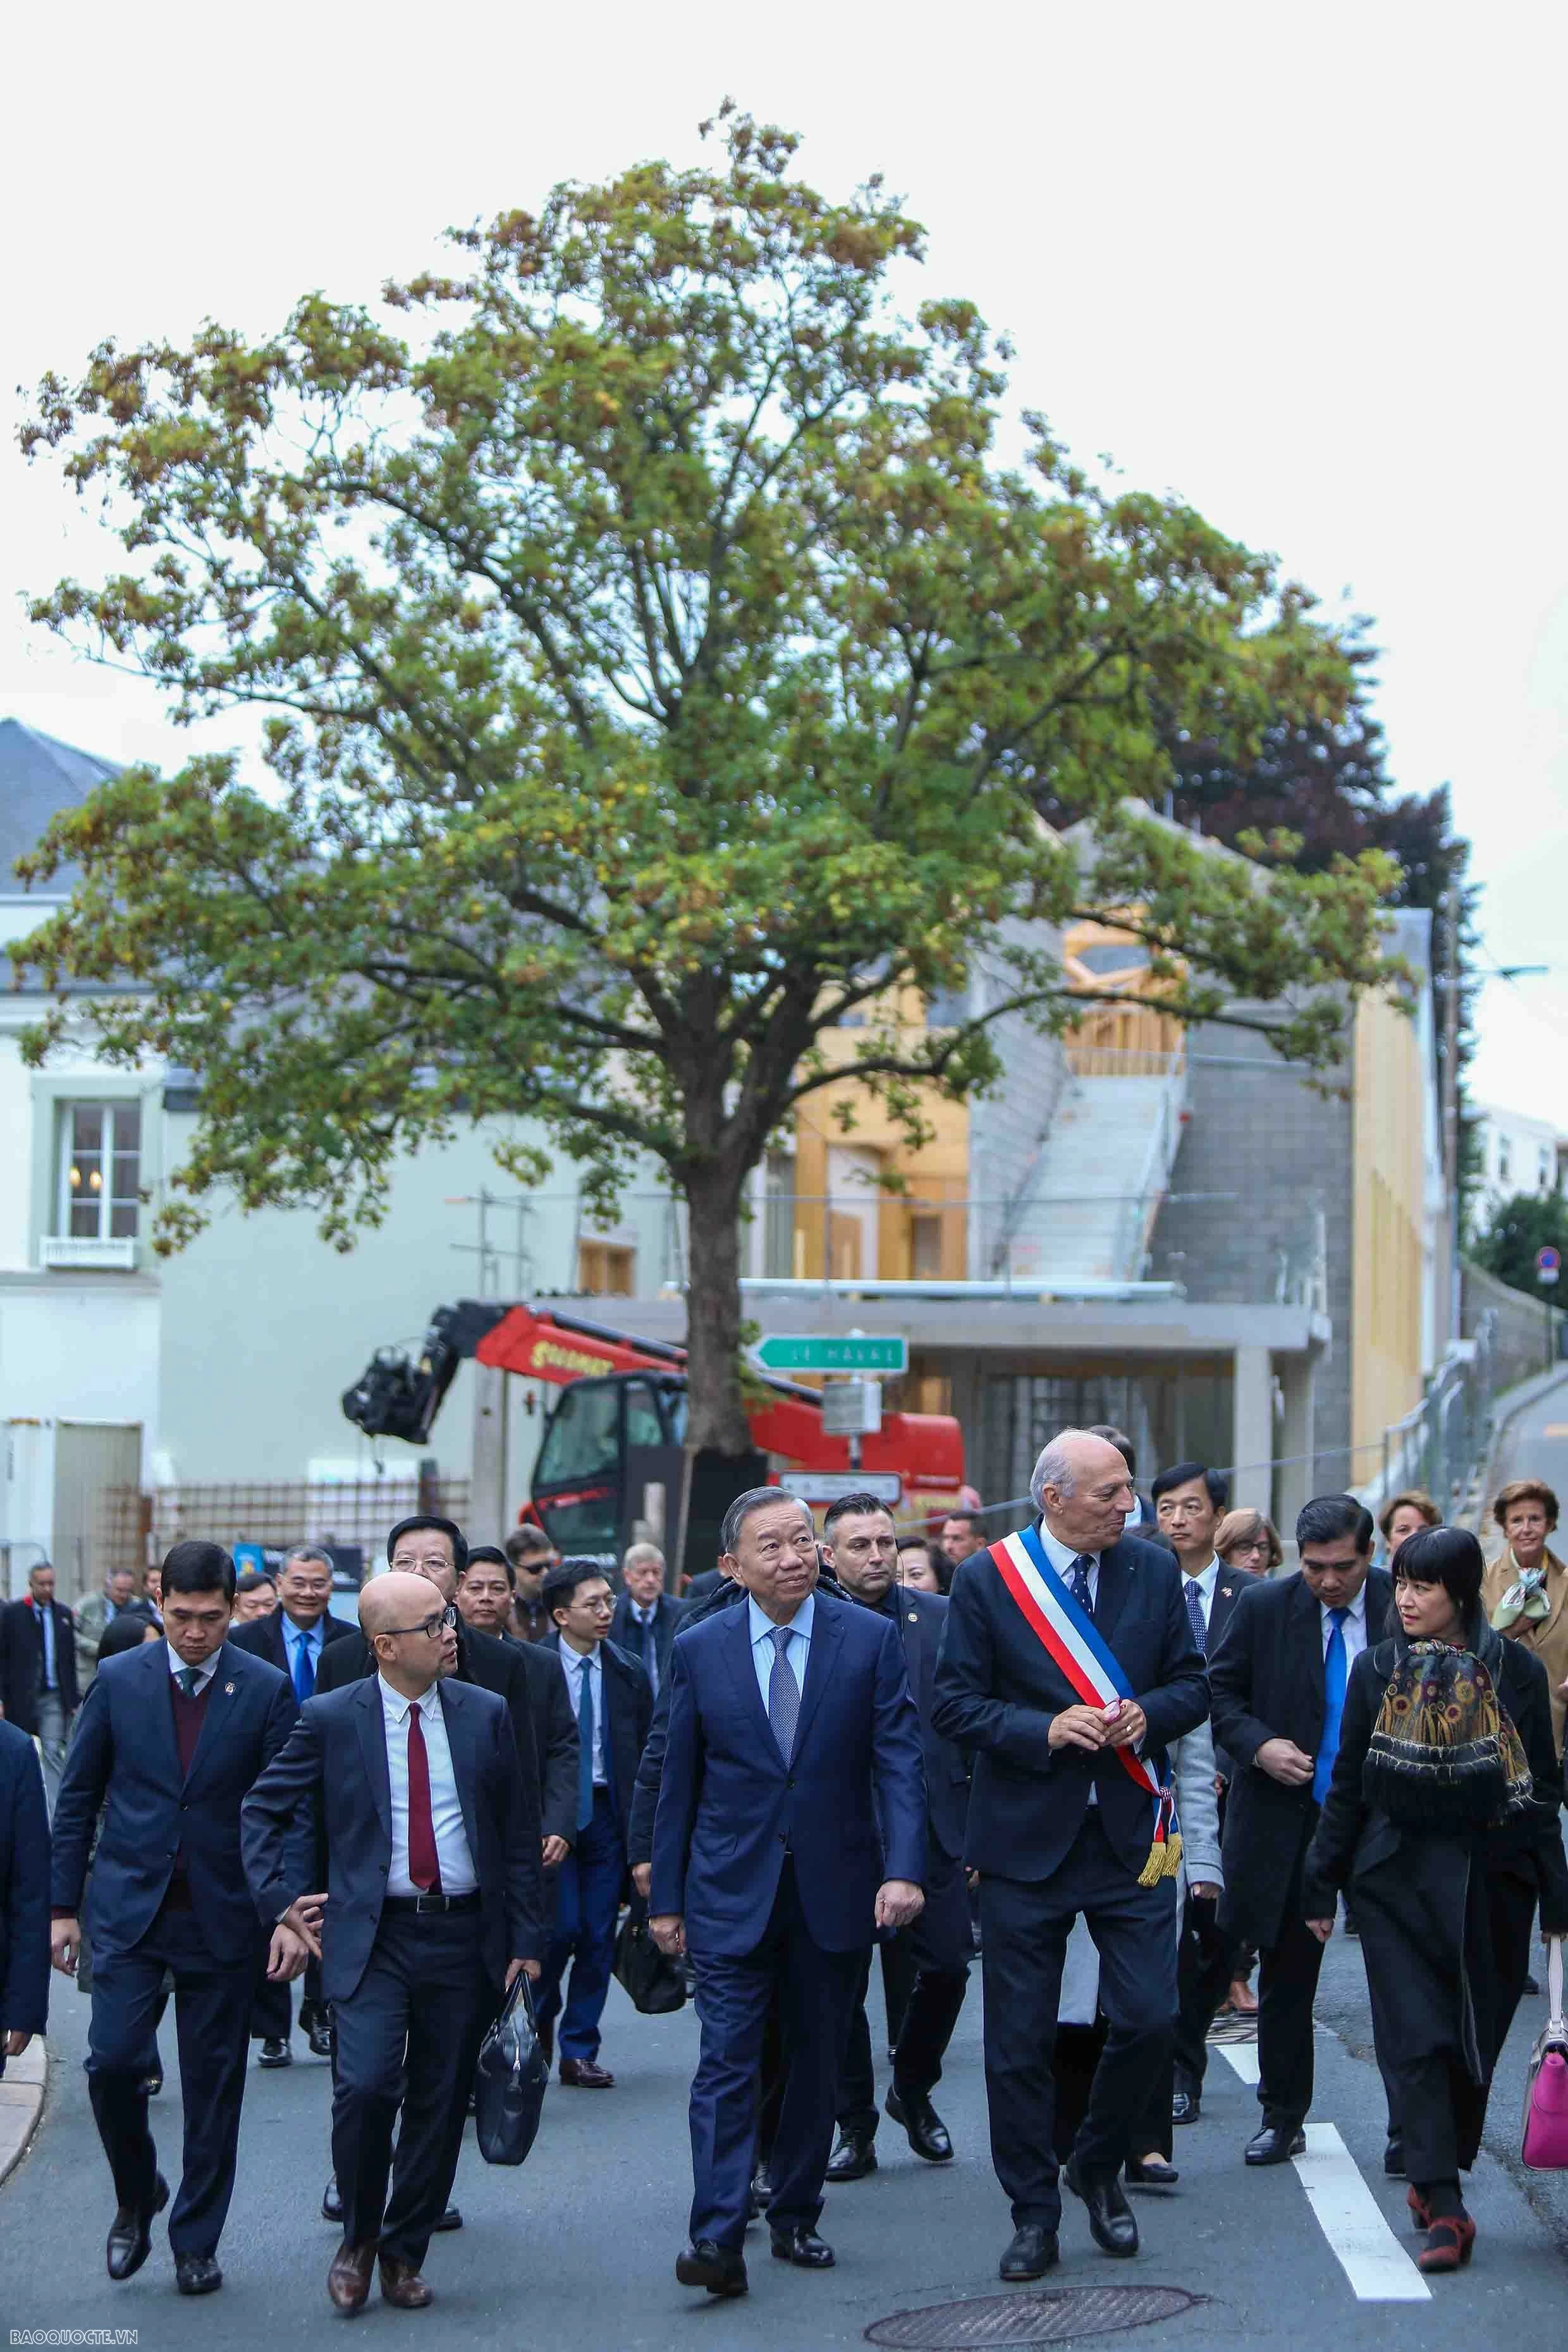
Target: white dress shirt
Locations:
point(764, 1650)
point(575, 1667)
point(1205, 1580)
point(453, 1858)
point(1355, 1624)
point(177, 1666)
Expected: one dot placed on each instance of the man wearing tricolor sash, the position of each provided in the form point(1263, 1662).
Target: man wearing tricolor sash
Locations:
point(1067, 1665)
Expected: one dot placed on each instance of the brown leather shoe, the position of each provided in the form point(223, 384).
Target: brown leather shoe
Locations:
point(401, 2285)
point(582, 2074)
point(348, 2281)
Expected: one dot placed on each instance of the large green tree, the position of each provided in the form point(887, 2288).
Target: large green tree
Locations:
point(1517, 1231)
point(661, 667)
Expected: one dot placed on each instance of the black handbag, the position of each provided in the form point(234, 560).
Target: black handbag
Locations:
point(509, 2080)
point(655, 1986)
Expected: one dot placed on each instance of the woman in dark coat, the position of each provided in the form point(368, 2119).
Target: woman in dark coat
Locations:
point(1442, 1822)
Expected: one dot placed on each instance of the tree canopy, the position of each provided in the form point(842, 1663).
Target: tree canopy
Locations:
point(1516, 1231)
point(660, 665)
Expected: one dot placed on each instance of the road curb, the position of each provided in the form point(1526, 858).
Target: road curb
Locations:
point(1506, 1411)
point(22, 2090)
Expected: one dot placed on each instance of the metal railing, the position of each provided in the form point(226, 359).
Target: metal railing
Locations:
point(1442, 1444)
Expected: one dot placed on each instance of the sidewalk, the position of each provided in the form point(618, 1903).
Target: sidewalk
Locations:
point(21, 2101)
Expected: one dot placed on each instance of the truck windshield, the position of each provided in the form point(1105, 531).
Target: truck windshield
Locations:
point(584, 1440)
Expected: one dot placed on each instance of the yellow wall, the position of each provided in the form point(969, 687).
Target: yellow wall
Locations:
point(937, 1175)
point(1385, 1294)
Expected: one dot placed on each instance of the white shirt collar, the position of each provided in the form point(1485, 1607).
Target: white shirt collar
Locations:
point(1062, 1556)
point(761, 1626)
point(1207, 1576)
point(1356, 1608)
point(397, 1706)
point(577, 1658)
point(177, 1666)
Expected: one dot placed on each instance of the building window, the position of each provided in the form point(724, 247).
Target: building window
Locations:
point(100, 1170)
point(606, 1270)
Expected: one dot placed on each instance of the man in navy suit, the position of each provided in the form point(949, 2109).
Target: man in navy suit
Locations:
point(24, 1895)
point(613, 1705)
point(925, 1967)
point(169, 1737)
point(645, 1617)
point(1058, 1827)
point(293, 1637)
point(38, 1671)
point(790, 1824)
point(432, 1905)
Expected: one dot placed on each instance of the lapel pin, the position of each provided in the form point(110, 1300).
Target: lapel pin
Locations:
point(914, 1616)
point(228, 1690)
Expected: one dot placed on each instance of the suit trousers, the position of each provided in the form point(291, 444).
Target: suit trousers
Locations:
point(51, 1734)
point(1288, 1974)
point(408, 2036)
point(1026, 1924)
point(816, 1993)
point(587, 1899)
point(212, 2009)
point(924, 1994)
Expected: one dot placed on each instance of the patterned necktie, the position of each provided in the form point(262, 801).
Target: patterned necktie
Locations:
point(1079, 1575)
point(1336, 1672)
point(584, 1746)
point(423, 1868)
point(784, 1692)
point(187, 1678)
point(1196, 1613)
point(304, 1669)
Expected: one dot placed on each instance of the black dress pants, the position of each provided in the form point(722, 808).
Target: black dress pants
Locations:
point(407, 2037)
point(1026, 1924)
point(212, 2010)
point(923, 1990)
point(1288, 1974)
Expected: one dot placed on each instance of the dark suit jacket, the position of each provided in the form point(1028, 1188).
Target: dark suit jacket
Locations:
point(920, 1618)
point(703, 1587)
point(1267, 1676)
point(1229, 1586)
point(999, 1690)
point(849, 1806)
point(24, 1888)
point(627, 1634)
point(22, 1662)
point(329, 1789)
point(263, 1637)
point(491, 1665)
point(555, 1731)
point(124, 1759)
point(628, 1705)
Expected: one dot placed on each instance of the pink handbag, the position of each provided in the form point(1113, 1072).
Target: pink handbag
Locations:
point(1545, 2146)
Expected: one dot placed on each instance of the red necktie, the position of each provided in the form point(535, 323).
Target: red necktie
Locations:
point(423, 1868)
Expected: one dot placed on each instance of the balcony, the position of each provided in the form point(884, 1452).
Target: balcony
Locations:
point(74, 1254)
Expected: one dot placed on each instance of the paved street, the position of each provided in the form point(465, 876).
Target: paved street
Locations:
point(576, 2250)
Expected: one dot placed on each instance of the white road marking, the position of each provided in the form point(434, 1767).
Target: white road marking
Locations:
point(1365, 2248)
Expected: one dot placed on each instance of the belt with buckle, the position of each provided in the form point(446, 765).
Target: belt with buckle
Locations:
point(417, 1902)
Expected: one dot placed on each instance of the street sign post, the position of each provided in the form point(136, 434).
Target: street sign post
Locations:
point(1548, 1262)
point(783, 1352)
point(826, 1486)
point(852, 1409)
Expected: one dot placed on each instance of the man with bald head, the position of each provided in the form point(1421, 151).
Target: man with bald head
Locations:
point(1067, 1665)
point(411, 1782)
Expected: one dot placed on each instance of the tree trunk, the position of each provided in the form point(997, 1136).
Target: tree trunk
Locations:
point(715, 1413)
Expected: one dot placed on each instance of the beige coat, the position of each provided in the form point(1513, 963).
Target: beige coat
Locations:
point(1546, 1636)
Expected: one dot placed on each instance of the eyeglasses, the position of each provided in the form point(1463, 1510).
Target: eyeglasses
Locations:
point(432, 1628)
point(437, 1566)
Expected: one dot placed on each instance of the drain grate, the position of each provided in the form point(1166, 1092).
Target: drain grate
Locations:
point(1048, 2319)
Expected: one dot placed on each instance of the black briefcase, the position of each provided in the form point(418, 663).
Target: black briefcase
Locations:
point(654, 1985)
point(509, 2080)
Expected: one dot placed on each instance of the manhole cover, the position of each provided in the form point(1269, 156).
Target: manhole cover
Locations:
point(1048, 2318)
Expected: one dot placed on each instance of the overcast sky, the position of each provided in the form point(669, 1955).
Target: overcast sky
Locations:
point(1303, 266)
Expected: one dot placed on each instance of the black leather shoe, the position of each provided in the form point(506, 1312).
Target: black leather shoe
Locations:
point(1154, 2174)
point(1111, 2222)
point(853, 2158)
point(761, 2191)
point(196, 2274)
point(1394, 2159)
point(928, 2133)
point(716, 2267)
point(450, 2219)
point(321, 2039)
point(803, 2247)
point(1186, 2106)
point(331, 2201)
point(274, 2052)
point(131, 2234)
point(150, 2086)
point(1032, 2252)
point(1272, 2146)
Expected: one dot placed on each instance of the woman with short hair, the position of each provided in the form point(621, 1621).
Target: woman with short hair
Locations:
point(1248, 1542)
point(1525, 1594)
point(1442, 1816)
point(1405, 1514)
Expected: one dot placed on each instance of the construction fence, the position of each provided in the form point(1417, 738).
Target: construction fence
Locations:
point(139, 1527)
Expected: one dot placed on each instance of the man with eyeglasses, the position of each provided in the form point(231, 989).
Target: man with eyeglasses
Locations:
point(612, 1702)
point(409, 1783)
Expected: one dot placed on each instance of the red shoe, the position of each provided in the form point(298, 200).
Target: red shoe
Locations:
point(1419, 2208)
point(1449, 2243)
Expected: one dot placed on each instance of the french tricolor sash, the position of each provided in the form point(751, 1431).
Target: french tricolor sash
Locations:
point(1068, 1635)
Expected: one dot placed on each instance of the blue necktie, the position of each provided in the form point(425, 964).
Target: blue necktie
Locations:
point(650, 1653)
point(186, 1677)
point(304, 1669)
point(584, 1746)
point(783, 1693)
point(1196, 1612)
point(1079, 1574)
point(1336, 1672)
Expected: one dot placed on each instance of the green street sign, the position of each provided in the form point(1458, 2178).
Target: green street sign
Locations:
point(782, 1352)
